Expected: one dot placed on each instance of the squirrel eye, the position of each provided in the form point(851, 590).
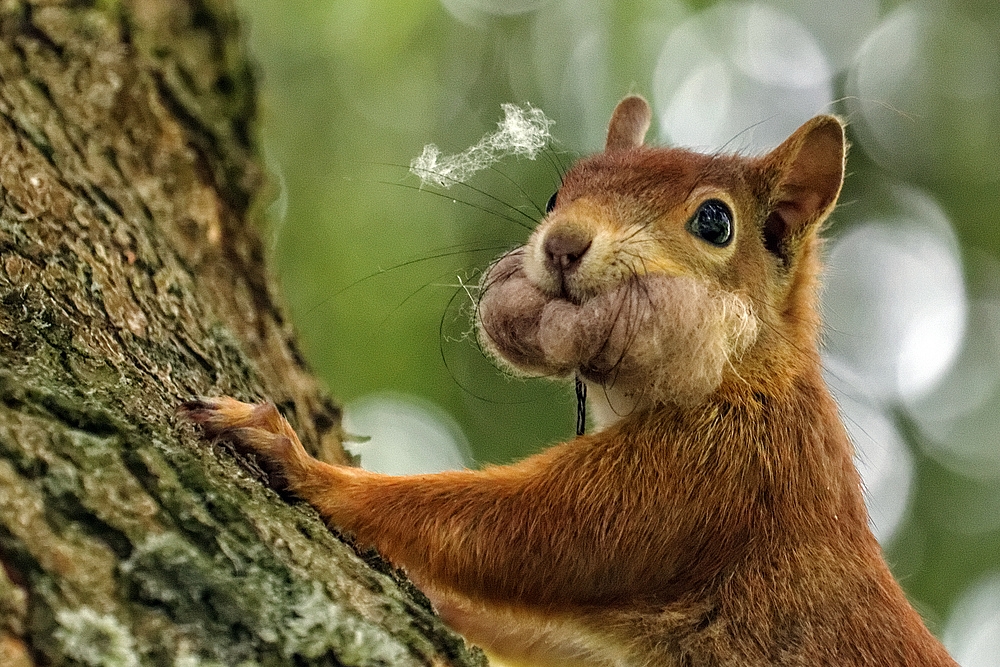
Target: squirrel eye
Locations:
point(551, 204)
point(713, 222)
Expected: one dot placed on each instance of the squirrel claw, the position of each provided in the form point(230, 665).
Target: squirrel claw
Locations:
point(252, 427)
point(215, 415)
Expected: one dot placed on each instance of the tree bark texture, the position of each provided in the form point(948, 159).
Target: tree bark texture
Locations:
point(132, 278)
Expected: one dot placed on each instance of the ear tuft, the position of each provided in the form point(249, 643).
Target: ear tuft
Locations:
point(629, 124)
point(810, 167)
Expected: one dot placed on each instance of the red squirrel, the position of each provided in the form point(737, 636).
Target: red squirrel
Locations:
point(715, 516)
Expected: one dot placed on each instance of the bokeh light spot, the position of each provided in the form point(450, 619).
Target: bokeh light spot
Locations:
point(885, 464)
point(960, 419)
point(972, 635)
point(839, 27)
point(739, 76)
point(895, 304)
point(776, 49)
point(408, 435)
point(476, 12)
point(925, 87)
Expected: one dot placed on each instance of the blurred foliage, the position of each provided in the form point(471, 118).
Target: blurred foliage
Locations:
point(375, 268)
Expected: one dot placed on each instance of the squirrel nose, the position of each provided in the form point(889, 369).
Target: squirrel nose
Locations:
point(564, 249)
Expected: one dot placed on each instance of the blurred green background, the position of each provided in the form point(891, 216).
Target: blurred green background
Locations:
point(375, 269)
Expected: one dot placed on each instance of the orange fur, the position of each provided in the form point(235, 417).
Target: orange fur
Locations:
point(716, 518)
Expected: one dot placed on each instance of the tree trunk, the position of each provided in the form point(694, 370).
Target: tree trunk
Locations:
point(132, 278)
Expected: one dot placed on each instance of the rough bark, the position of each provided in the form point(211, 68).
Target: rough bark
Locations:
point(132, 278)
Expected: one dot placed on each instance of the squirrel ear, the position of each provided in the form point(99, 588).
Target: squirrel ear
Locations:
point(628, 125)
point(810, 168)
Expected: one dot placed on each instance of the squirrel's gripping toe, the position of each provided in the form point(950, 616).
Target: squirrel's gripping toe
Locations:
point(253, 427)
point(221, 415)
point(218, 415)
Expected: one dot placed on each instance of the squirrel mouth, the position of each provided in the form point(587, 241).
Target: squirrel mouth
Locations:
point(550, 331)
point(666, 336)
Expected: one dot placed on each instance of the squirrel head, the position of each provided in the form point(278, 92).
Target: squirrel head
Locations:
point(661, 274)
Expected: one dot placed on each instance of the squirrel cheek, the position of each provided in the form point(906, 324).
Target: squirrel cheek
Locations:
point(701, 331)
point(592, 334)
point(569, 335)
point(670, 341)
point(508, 318)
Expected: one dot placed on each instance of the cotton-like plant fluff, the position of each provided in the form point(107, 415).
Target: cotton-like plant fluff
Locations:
point(522, 132)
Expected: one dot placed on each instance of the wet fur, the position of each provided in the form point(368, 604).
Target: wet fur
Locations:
point(719, 519)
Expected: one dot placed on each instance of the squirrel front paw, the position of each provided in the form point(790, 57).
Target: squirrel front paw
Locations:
point(255, 428)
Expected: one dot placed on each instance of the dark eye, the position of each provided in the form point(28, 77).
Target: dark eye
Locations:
point(713, 222)
point(551, 204)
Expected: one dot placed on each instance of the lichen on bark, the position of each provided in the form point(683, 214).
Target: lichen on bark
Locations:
point(132, 278)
